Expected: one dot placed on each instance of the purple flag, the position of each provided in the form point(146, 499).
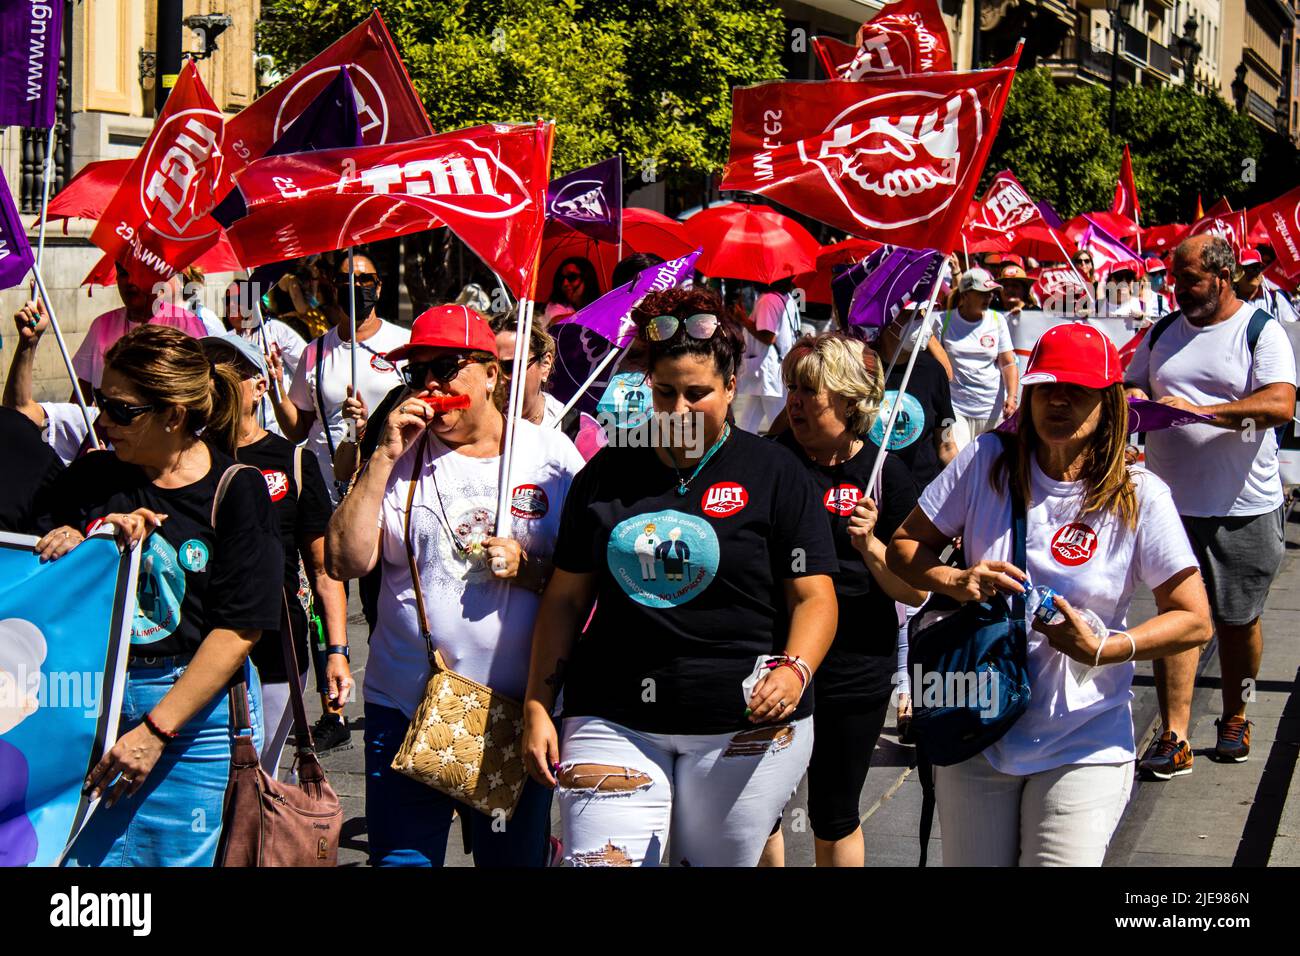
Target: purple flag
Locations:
point(15, 252)
point(590, 200)
point(31, 32)
point(329, 122)
point(583, 339)
point(900, 275)
point(1144, 415)
point(1050, 215)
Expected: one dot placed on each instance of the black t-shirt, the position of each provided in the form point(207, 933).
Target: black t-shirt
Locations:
point(861, 662)
point(690, 588)
point(28, 470)
point(926, 412)
point(304, 515)
point(193, 578)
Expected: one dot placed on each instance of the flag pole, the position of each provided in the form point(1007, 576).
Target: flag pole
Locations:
point(613, 353)
point(47, 175)
point(514, 411)
point(352, 320)
point(923, 335)
point(63, 350)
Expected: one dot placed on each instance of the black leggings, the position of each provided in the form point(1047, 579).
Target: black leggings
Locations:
point(844, 737)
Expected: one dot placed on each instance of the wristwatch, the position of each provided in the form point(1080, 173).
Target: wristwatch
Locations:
point(338, 649)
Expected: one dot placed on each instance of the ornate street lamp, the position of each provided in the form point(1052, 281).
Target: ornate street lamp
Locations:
point(1119, 10)
point(1189, 50)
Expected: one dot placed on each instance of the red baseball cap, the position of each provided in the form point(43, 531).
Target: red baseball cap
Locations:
point(448, 327)
point(1075, 353)
point(1156, 265)
point(1250, 257)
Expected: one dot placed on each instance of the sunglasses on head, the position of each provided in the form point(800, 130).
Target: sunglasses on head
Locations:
point(123, 413)
point(443, 368)
point(365, 280)
point(699, 326)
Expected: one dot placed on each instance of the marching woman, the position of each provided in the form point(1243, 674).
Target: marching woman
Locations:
point(834, 390)
point(205, 593)
point(684, 700)
point(984, 373)
point(438, 471)
point(1050, 792)
point(302, 507)
point(574, 287)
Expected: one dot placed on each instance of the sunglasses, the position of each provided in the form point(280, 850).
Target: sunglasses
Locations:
point(365, 280)
point(443, 369)
point(123, 413)
point(571, 276)
point(508, 365)
point(663, 327)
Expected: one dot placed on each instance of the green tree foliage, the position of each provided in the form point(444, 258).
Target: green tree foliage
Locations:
point(651, 80)
point(1057, 141)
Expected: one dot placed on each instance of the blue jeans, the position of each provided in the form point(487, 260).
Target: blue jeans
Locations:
point(408, 822)
point(175, 818)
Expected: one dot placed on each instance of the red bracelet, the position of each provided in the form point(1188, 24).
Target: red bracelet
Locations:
point(784, 661)
point(157, 731)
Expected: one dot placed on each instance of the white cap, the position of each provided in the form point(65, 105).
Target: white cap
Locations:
point(977, 280)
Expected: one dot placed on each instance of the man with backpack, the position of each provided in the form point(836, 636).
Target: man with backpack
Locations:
point(1225, 359)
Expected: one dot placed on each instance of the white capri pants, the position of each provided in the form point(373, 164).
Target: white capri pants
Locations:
point(278, 720)
point(622, 792)
point(1060, 817)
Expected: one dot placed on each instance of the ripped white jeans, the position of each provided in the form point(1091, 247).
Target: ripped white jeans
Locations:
point(622, 792)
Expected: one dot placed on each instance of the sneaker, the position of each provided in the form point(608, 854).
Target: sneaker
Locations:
point(1166, 757)
point(1234, 739)
point(331, 733)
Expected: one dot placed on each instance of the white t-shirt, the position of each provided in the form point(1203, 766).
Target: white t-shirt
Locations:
point(65, 428)
point(376, 377)
point(761, 370)
point(274, 332)
point(552, 412)
point(973, 348)
point(472, 626)
point(110, 326)
point(1215, 472)
point(1095, 562)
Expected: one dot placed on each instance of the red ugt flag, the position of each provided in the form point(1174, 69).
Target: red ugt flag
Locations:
point(1006, 205)
point(1221, 221)
point(1125, 202)
point(157, 222)
point(896, 159)
point(1281, 218)
point(907, 36)
point(487, 183)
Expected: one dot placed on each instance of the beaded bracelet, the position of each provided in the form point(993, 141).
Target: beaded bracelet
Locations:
point(157, 731)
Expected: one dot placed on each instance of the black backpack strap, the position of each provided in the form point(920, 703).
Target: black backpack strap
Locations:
point(320, 395)
point(1256, 328)
point(1158, 329)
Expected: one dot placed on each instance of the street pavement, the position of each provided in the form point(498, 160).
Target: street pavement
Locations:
point(1219, 815)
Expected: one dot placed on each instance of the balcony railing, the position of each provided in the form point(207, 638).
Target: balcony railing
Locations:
point(1160, 58)
point(1133, 42)
point(1091, 61)
point(1261, 109)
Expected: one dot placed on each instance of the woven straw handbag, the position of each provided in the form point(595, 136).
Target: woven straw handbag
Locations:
point(464, 739)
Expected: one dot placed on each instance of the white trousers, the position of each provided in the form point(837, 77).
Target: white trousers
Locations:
point(278, 721)
point(1060, 817)
point(965, 430)
point(755, 413)
point(622, 793)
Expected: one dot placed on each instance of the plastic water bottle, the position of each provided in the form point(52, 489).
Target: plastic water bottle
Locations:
point(1042, 607)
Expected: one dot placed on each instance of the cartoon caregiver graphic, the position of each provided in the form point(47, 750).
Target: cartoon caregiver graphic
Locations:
point(22, 651)
point(644, 547)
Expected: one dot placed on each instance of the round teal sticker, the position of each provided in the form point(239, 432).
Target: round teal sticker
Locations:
point(664, 558)
point(627, 401)
point(907, 427)
point(194, 555)
point(159, 593)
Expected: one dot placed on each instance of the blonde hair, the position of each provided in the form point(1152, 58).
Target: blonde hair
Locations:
point(842, 366)
point(171, 368)
point(1108, 484)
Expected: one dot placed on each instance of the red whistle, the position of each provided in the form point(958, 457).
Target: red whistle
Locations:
point(445, 403)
